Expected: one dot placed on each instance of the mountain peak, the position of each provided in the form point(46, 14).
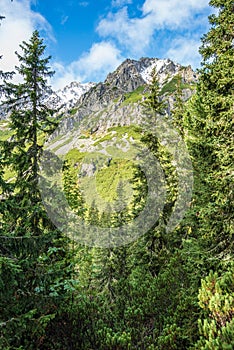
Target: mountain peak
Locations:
point(64, 99)
point(140, 71)
point(130, 75)
point(73, 91)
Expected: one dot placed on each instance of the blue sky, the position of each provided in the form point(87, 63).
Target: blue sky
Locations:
point(89, 38)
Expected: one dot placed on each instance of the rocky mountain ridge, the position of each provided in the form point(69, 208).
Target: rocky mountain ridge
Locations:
point(107, 104)
point(117, 100)
point(64, 99)
point(61, 100)
point(129, 76)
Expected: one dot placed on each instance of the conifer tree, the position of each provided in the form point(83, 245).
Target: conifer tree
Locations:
point(33, 243)
point(29, 120)
point(213, 127)
point(153, 100)
point(211, 131)
point(72, 190)
point(156, 239)
point(113, 260)
point(3, 75)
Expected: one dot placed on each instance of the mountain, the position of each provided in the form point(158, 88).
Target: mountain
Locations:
point(100, 136)
point(99, 122)
point(116, 101)
point(129, 76)
point(64, 99)
point(61, 100)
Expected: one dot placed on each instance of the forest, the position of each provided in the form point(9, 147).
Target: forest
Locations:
point(166, 289)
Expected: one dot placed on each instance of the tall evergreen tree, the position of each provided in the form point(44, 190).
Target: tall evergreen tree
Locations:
point(38, 251)
point(153, 100)
point(72, 190)
point(213, 127)
point(3, 75)
point(156, 239)
point(29, 120)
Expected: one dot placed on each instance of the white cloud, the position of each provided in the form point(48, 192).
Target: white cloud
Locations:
point(102, 57)
point(172, 13)
point(135, 34)
point(185, 51)
point(63, 75)
point(18, 26)
point(118, 31)
point(132, 33)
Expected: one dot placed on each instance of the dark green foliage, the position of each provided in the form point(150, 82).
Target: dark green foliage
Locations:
point(36, 278)
point(3, 75)
point(166, 290)
point(216, 297)
point(153, 101)
point(72, 191)
point(28, 117)
point(211, 144)
point(212, 128)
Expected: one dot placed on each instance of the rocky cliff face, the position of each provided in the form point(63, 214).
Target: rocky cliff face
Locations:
point(130, 75)
point(106, 104)
point(116, 101)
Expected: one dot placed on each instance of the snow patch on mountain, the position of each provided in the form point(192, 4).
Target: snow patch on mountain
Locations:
point(72, 92)
point(162, 67)
point(65, 99)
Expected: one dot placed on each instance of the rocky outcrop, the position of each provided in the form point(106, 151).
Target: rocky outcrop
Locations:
point(127, 76)
point(95, 107)
point(130, 75)
point(188, 75)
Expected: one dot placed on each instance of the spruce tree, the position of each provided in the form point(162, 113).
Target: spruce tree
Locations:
point(156, 239)
point(210, 138)
point(31, 241)
point(30, 120)
point(153, 100)
point(212, 130)
point(72, 190)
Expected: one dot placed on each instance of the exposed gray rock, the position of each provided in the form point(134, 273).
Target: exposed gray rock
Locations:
point(97, 107)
